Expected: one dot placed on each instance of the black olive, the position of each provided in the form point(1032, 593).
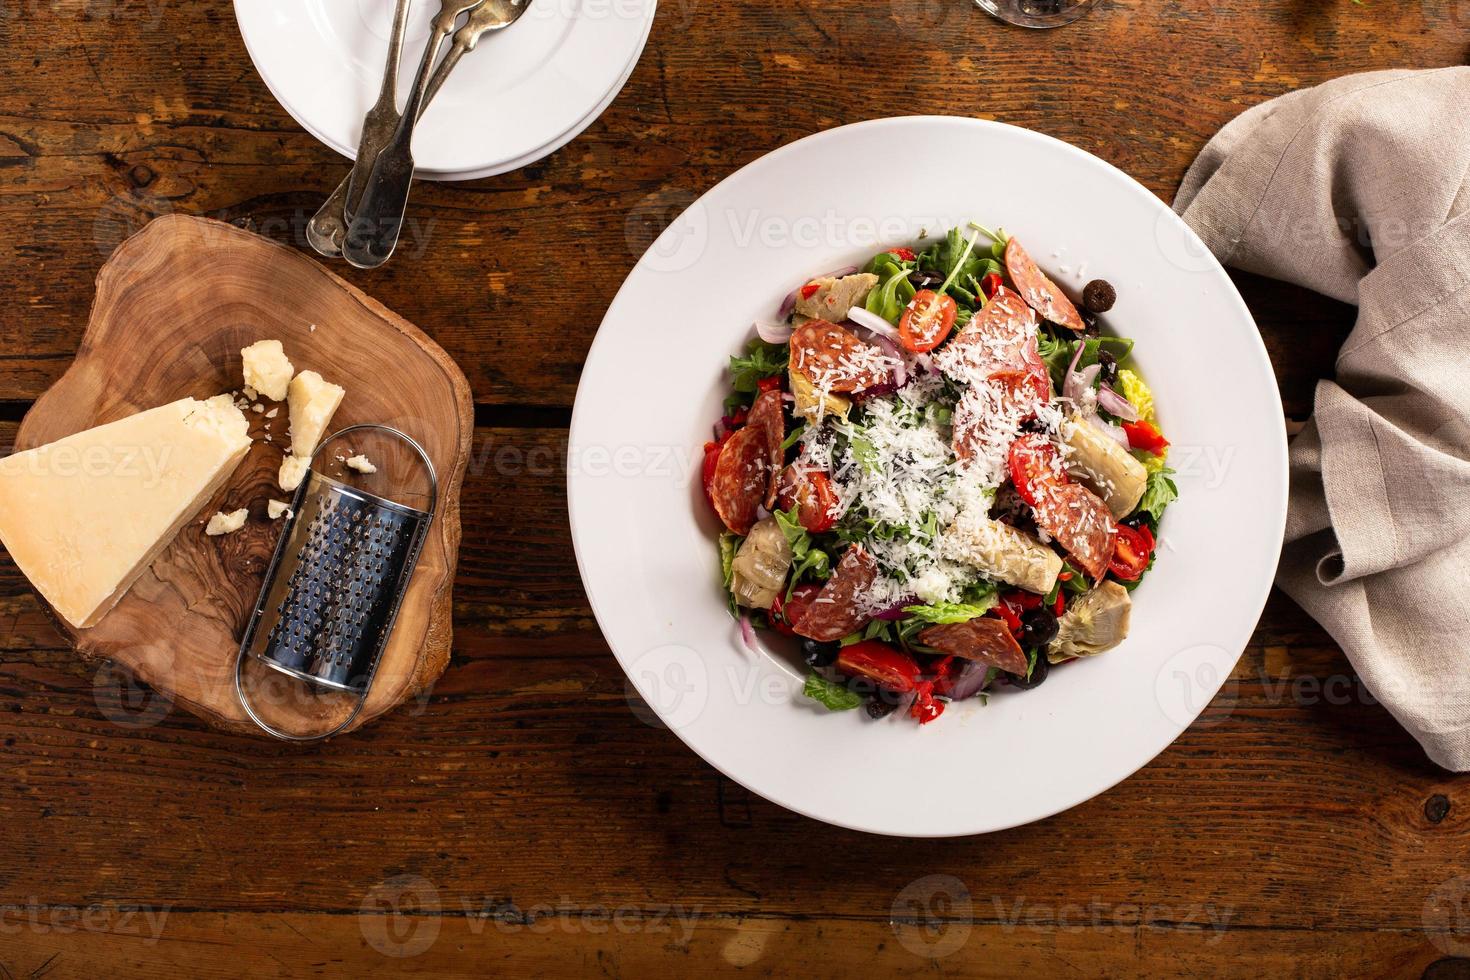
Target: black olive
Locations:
point(1090, 326)
point(819, 654)
point(1038, 674)
point(1109, 373)
point(1099, 296)
point(1038, 627)
point(924, 279)
point(881, 707)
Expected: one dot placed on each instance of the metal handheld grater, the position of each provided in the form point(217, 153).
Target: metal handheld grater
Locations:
point(335, 585)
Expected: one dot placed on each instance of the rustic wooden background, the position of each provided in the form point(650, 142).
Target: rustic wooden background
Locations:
point(523, 817)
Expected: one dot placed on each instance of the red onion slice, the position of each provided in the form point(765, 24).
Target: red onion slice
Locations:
point(773, 333)
point(846, 270)
point(787, 305)
point(873, 322)
point(969, 682)
point(1080, 383)
point(1113, 432)
point(1114, 403)
point(747, 634)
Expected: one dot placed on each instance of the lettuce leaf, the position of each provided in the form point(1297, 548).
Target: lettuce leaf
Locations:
point(830, 694)
point(1158, 493)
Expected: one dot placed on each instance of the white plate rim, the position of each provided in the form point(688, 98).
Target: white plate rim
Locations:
point(1251, 608)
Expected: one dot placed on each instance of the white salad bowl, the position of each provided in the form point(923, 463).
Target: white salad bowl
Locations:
point(646, 539)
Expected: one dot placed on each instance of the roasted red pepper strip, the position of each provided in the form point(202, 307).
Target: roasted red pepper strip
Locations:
point(990, 283)
point(906, 254)
point(1143, 435)
point(769, 384)
point(809, 290)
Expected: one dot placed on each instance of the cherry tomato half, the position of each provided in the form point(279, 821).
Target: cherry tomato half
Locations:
point(1135, 545)
point(1145, 436)
point(785, 614)
point(1034, 461)
point(813, 495)
point(892, 670)
point(926, 321)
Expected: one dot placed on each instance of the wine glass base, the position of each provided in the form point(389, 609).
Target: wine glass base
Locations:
point(1036, 13)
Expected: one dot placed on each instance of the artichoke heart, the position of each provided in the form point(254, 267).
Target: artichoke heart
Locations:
point(1094, 623)
point(1103, 466)
point(811, 404)
point(758, 573)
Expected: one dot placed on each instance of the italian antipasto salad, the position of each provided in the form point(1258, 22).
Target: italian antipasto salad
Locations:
point(939, 475)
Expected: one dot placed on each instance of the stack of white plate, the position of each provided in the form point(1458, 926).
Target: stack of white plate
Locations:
point(524, 93)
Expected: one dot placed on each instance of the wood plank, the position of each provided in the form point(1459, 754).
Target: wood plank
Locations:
point(151, 126)
point(666, 941)
point(530, 776)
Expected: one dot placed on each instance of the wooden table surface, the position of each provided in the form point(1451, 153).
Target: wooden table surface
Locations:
point(526, 817)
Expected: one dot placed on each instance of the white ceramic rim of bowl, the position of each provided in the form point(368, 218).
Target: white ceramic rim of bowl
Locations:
point(282, 75)
point(1137, 723)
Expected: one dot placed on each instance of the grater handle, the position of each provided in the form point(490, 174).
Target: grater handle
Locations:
point(266, 727)
point(412, 562)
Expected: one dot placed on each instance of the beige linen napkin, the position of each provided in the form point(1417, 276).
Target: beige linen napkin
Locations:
point(1360, 189)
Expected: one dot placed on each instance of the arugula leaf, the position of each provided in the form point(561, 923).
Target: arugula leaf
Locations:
point(794, 438)
point(894, 291)
point(1158, 493)
point(830, 694)
point(806, 558)
point(761, 360)
point(960, 262)
point(864, 452)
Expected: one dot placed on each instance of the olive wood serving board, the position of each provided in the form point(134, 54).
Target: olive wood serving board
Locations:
point(174, 306)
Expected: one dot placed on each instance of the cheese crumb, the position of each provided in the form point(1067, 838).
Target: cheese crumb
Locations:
point(362, 464)
point(293, 471)
point(267, 370)
point(221, 524)
point(278, 509)
point(273, 413)
point(258, 408)
point(250, 393)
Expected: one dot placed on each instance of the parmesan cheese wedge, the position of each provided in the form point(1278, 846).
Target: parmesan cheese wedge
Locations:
point(313, 402)
point(85, 516)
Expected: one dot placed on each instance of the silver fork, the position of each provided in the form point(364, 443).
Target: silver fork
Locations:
point(328, 227)
point(376, 222)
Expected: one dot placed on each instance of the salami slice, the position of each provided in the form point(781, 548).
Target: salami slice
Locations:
point(767, 416)
point(741, 478)
point(1036, 289)
point(839, 608)
point(835, 360)
point(1080, 522)
point(1000, 338)
point(986, 639)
